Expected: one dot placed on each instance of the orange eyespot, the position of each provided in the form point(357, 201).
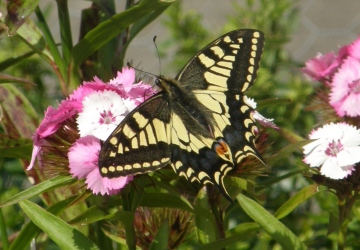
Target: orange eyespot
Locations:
point(222, 149)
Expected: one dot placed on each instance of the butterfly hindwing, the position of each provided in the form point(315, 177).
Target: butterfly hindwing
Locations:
point(195, 156)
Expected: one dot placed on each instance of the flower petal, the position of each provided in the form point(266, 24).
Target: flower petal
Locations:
point(83, 156)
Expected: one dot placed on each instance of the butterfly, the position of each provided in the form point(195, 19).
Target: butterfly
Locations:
point(199, 123)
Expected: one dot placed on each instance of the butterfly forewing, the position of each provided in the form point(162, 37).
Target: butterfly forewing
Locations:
point(140, 143)
point(228, 64)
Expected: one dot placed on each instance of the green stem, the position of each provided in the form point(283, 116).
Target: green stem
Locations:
point(4, 239)
point(345, 206)
point(342, 235)
point(214, 201)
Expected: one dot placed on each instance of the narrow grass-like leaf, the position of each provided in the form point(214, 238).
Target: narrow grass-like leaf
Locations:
point(116, 239)
point(270, 224)
point(5, 63)
point(222, 243)
point(290, 135)
point(19, 118)
point(39, 188)
point(272, 102)
point(12, 79)
point(18, 11)
point(32, 36)
point(65, 30)
point(3, 231)
point(296, 200)
point(284, 152)
point(140, 25)
point(247, 228)
point(51, 43)
point(92, 215)
point(165, 200)
point(19, 152)
point(205, 225)
point(107, 30)
point(277, 179)
point(30, 230)
point(161, 239)
point(65, 236)
point(15, 148)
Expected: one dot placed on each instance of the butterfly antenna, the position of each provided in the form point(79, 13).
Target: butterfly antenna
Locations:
point(157, 50)
point(139, 70)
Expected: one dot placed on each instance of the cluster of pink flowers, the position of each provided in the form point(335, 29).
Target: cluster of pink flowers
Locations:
point(341, 73)
point(94, 109)
point(336, 146)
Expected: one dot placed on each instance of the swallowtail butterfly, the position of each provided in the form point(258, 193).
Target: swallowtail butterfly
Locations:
point(199, 123)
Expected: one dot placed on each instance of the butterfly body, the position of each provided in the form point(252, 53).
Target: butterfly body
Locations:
point(199, 123)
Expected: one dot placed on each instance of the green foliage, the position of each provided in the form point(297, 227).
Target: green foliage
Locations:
point(283, 211)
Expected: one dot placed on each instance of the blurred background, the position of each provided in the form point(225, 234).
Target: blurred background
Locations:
point(318, 26)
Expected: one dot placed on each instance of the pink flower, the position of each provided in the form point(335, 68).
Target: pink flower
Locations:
point(266, 122)
point(83, 163)
point(336, 149)
point(322, 66)
point(354, 49)
point(102, 112)
point(345, 89)
point(123, 85)
point(125, 80)
point(52, 121)
point(93, 109)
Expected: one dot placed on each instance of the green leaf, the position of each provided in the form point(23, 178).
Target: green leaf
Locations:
point(140, 25)
point(3, 231)
point(127, 218)
point(5, 63)
point(91, 215)
point(333, 225)
point(15, 148)
point(222, 243)
point(296, 200)
point(116, 239)
point(18, 11)
point(271, 102)
point(166, 200)
point(270, 224)
point(65, 236)
point(162, 237)
point(205, 225)
point(30, 230)
point(248, 228)
point(39, 189)
point(107, 30)
point(65, 30)
point(291, 136)
point(12, 79)
point(286, 151)
point(19, 117)
point(277, 179)
point(50, 42)
point(33, 37)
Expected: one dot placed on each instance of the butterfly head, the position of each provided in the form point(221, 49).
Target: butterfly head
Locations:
point(165, 83)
